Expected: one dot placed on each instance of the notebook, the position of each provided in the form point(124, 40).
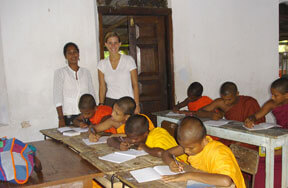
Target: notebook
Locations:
point(76, 129)
point(216, 123)
point(102, 140)
point(262, 126)
point(123, 156)
point(195, 184)
point(71, 133)
point(151, 174)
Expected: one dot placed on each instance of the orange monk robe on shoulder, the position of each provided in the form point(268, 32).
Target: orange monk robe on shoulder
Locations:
point(196, 105)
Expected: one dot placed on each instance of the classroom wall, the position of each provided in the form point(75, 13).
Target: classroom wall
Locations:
point(33, 34)
point(217, 41)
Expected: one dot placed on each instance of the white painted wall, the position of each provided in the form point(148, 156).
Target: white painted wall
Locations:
point(225, 40)
point(33, 35)
point(214, 41)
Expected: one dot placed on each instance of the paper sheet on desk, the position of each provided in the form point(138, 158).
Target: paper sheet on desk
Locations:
point(174, 114)
point(76, 129)
point(216, 123)
point(102, 140)
point(261, 126)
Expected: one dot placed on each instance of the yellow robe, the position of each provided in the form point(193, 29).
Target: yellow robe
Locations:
point(121, 129)
point(217, 158)
point(160, 138)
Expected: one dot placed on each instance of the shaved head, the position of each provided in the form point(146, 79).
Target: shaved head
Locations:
point(281, 85)
point(191, 129)
point(228, 88)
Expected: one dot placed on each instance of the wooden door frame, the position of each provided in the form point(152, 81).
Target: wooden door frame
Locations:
point(136, 11)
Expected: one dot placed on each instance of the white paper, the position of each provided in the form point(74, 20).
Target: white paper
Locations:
point(145, 175)
point(63, 129)
point(133, 152)
point(262, 126)
point(174, 114)
point(102, 140)
point(80, 130)
point(151, 174)
point(71, 133)
point(116, 158)
point(216, 123)
point(164, 170)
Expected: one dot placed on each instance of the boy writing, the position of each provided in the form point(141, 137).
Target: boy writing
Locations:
point(216, 160)
point(122, 110)
point(278, 104)
point(95, 114)
point(154, 142)
point(194, 101)
point(231, 105)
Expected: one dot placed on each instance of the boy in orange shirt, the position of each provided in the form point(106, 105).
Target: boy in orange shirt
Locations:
point(95, 114)
point(216, 160)
point(122, 110)
point(194, 101)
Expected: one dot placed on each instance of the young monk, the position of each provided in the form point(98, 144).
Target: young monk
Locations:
point(95, 114)
point(231, 105)
point(278, 104)
point(194, 101)
point(216, 161)
point(154, 142)
point(122, 110)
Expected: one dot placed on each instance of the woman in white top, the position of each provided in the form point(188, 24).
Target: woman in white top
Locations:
point(117, 74)
point(70, 83)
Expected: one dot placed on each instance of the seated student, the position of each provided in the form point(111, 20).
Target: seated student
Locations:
point(154, 142)
point(95, 114)
point(195, 100)
point(231, 105)
point(278, 104)
point(122, 110)
point(216, 161)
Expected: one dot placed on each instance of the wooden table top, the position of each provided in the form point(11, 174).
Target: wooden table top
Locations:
point(60, 164)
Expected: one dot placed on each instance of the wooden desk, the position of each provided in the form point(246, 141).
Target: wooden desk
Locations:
point(61, 166)
point(270, 139)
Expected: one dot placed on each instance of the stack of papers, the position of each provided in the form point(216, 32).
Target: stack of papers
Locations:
point(102, 140)
point(151, 174)
point(72, 131)
point(123, 156)
point(262, 126)
point(216, 123)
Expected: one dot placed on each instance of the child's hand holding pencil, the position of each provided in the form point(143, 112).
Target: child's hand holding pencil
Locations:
point(175, 166)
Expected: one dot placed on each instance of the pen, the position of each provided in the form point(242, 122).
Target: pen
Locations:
point(92, 130)
point(177, 163)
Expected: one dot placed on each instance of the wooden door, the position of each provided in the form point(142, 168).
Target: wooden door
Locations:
point(147, 46)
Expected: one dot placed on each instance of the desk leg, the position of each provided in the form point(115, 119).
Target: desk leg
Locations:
point(269, 179)
point(284, 165)
point(159, 121)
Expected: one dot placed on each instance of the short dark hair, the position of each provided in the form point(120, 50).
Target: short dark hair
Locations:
point(194, 129)
point(127, 105)
point(281, 85)
point(111, 34)
point(136, 125)
point(69, 44)
point(195, 89)
point(228, 88)
point(86, 101)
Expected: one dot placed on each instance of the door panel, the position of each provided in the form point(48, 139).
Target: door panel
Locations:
point(147, 46)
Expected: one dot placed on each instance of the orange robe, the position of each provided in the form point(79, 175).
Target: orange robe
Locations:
point(245, 107)
point(161, 138)
point(121, 129)
point(216, 158)
point(101, 112)
point(196, 105)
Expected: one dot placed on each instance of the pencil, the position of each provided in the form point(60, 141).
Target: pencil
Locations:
point(177, 163)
